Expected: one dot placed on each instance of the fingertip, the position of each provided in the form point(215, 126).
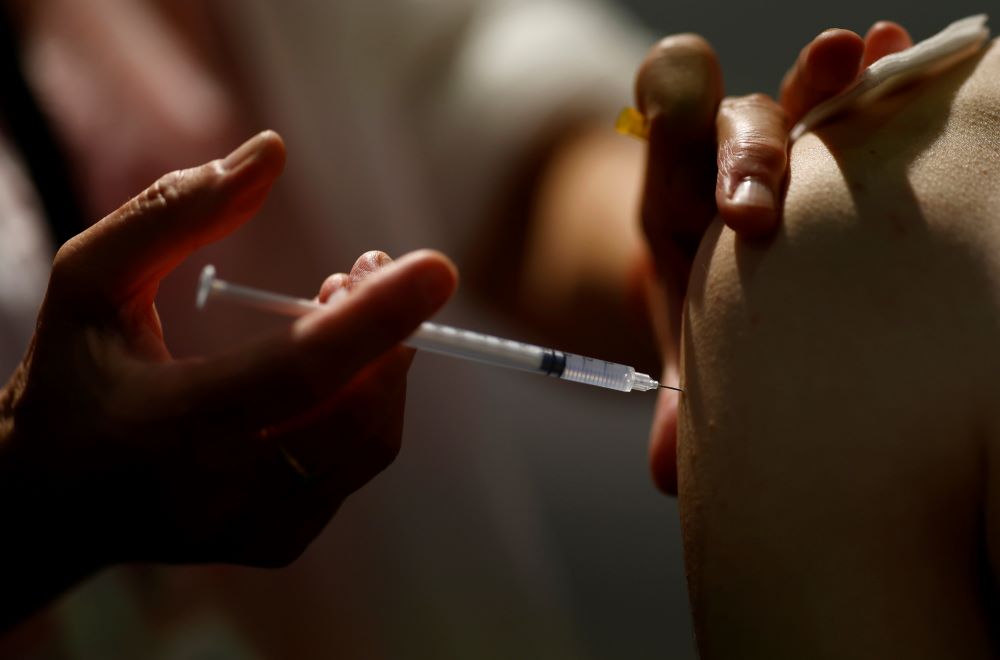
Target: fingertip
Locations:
point(885, 38)
point(833, 60)
point(368, 263)
point(272, 148)
point(264, 151)
point(437, 275)
point(680, 81)
point(245, 177)
point(663, 443)
point(273, 152)
point(334, 285)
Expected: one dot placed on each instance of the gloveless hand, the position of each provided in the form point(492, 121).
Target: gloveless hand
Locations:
point(112, 451)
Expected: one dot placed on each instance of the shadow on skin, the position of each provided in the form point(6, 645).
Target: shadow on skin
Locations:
point(872, 307)
point(886, 232)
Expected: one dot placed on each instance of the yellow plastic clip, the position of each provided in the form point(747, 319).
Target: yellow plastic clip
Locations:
point(632, 122)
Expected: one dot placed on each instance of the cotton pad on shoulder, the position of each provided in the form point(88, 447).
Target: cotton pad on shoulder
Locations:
point(956, 42)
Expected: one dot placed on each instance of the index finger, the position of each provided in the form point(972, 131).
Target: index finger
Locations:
point(126, 254)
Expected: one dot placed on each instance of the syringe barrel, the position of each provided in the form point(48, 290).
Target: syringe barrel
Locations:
point(580, 369)
point(476, 346)
point(526, 357)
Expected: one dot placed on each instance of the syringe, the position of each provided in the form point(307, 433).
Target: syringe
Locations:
point(453, 341)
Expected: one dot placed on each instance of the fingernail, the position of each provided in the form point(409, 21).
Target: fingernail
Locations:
point(244, 153)
point(752, 192)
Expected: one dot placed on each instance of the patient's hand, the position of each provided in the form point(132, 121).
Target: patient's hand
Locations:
point(710, 155)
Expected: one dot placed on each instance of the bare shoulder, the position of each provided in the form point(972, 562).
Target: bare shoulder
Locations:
point(891, 233)
point(840, 385)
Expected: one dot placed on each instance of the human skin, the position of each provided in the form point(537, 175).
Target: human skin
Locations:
point(838, 456)
point(566, 201)
point(113, 451)
point(707, 157)
point(583, 256)
point(564, 254)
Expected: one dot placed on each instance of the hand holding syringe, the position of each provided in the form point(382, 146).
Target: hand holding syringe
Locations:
point(454, 342)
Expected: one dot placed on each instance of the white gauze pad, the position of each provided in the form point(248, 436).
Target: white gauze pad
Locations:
point(953, 44)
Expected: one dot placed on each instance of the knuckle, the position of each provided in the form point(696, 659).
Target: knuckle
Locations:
point(758, 152)
point(750, 104)
point(164, 191)
point(753, 135)
point(759, 155)
point(174, 188)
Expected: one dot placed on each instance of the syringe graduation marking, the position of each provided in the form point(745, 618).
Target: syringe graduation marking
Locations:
point(455, 342)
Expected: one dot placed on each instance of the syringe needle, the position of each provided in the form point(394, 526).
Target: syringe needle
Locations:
point(675, 389)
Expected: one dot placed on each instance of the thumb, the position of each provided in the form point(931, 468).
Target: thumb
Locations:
point(124, 256)
point(297, 370)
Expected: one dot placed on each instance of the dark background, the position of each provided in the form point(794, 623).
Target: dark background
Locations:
point(757, 41)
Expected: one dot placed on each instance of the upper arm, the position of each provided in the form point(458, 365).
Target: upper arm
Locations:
point(834, 423)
